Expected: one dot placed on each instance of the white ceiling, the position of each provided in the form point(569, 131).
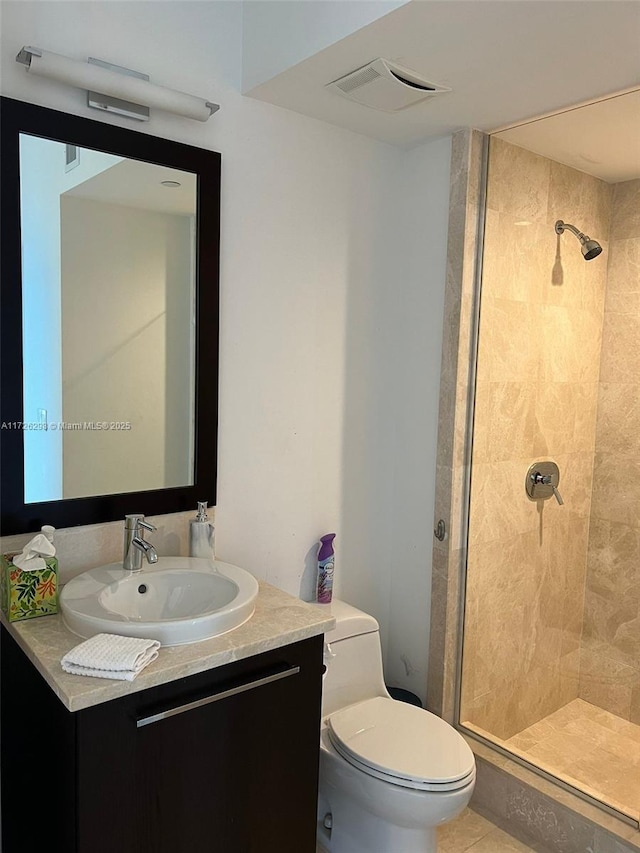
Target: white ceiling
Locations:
point(134, 183)
point(505, 60)
point(602, 139)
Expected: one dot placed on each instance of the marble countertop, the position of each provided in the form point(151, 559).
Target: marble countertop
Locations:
point(279, 619)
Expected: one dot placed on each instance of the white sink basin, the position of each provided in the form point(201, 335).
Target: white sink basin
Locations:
point(177, 600)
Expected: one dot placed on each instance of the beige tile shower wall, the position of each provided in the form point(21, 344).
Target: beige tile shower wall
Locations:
point(610, 659)
point(449, 554)
point(537, 382)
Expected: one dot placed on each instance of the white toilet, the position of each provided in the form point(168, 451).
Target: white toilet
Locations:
point(390, 773)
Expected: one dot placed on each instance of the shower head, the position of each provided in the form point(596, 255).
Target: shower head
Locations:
point(590, 248)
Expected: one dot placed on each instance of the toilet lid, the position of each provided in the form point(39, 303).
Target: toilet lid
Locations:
point(402, 744)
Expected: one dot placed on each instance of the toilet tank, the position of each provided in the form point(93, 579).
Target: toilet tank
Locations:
point(353, 658)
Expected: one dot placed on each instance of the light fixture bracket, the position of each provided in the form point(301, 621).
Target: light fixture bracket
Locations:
point(109, 104)
point(25, 53)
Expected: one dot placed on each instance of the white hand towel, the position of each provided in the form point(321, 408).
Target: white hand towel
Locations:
point(111, 656)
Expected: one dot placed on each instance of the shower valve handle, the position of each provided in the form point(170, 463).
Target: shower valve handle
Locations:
point(546, 480)
point(536, 477)
point(541, 479)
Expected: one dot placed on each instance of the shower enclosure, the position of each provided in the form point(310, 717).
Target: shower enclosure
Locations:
point(551, 644)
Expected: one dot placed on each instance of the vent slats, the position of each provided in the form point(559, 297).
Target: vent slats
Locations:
point(358, 79)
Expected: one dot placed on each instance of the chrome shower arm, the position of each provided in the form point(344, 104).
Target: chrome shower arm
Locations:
point(562, 226)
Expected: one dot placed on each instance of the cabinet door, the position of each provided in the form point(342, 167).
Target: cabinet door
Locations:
point(37, 759)
point(230, 766)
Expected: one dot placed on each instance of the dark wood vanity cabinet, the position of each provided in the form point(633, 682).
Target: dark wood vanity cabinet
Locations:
point(225, 761)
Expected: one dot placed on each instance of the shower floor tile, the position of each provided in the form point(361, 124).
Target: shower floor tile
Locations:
point(589, 748)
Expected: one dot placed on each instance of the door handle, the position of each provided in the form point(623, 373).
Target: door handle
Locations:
point(218, 696)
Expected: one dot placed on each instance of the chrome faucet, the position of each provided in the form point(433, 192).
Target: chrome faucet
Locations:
point(135, 545)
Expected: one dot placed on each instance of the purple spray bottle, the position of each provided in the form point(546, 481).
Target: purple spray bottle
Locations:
point(326, 565)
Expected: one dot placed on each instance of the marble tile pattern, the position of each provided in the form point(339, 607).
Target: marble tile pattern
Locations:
point(542, 814)
point(455, 382)
point(566, 421)
point(279, 619)
point(610, 656)
point(590, 748)
point(470, 832)
point(537, 394)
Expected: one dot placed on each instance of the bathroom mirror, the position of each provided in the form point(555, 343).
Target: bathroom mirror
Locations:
point(109, 312)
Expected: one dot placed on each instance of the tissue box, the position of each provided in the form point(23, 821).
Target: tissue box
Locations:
point(24, 595)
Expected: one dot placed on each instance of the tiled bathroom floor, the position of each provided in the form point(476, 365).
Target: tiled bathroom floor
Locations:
point(587, 747)
point(471, 833)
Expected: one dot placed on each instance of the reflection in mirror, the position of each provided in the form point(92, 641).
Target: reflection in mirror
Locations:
point(108, 282)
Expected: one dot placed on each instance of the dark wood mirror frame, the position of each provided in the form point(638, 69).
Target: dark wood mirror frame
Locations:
point(15, 515)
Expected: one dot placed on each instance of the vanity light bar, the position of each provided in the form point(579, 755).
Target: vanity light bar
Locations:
point(130, 90)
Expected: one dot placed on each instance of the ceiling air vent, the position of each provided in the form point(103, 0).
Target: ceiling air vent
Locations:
point(383, 85)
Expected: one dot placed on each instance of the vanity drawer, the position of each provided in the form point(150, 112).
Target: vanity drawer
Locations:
point(226, 760)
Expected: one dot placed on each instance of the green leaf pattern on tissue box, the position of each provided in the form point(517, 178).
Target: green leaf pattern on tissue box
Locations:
point(27, 594)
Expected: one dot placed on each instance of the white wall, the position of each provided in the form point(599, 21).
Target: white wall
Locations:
point(42, 181)
point(278, 34)
point(126, 347)
point(42, 165)
point(416, 353)
point(330, 309)
point(89, 165)
point(392, 367)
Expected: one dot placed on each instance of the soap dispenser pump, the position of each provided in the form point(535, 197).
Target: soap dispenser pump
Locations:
point(201, 534)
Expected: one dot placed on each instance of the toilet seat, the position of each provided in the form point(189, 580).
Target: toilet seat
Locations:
point(402, 744)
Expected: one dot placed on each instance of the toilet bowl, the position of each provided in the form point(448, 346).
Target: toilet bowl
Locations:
point(390, 773)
